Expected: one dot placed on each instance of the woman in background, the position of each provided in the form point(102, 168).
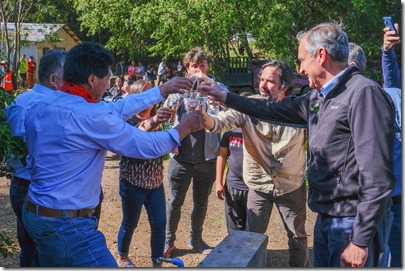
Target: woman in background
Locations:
point(141, 183)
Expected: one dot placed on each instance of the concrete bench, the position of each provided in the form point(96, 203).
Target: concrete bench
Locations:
point(239, 249)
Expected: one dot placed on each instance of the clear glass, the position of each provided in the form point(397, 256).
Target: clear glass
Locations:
point(213, 108)
point(172, 105)
point(191, 103)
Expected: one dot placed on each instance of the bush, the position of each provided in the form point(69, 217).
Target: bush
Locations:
point(6, 244)
point(11, 146)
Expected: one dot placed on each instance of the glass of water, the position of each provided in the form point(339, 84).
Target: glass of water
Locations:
point(191, 103)
point(172, 105)
point(213, 108)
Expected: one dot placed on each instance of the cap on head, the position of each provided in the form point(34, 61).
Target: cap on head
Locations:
point(3, 62)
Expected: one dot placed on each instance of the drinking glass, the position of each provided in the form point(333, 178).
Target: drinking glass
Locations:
point(172, 105)
point(213, 108)
point(187, 92)
point(191, 103)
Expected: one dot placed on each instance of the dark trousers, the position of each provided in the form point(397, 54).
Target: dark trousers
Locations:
point(180, 175)
point(235, 208)
point(18, 192)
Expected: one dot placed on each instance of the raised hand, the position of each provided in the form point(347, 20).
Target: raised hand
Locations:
point(175, 85)
point(163, 115)
point(390, 39)
point(214, 92)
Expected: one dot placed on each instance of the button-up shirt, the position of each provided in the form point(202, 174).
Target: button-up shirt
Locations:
point(273, 155)
point(124, 108)
point(68, 139)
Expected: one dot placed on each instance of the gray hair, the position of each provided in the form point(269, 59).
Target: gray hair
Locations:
point(357, 56)
point(51, 62)
point(329, 36)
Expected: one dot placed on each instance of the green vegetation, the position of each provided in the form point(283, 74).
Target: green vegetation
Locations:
point(6, 243)
point(253, 28)
point(10, 145)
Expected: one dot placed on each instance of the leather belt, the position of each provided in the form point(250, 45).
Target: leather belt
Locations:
point(55, 213)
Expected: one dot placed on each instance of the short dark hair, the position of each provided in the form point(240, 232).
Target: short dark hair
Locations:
point(51, 62)
point(85, 59)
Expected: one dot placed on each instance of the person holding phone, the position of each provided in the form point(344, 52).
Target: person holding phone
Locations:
point(392, 84)
point(391, 72)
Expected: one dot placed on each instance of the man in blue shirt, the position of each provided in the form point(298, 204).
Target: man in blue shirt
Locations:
point(392, 84)
point(66, 161)
point(50, 73)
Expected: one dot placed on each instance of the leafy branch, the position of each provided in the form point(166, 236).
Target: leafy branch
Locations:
point(11, 147)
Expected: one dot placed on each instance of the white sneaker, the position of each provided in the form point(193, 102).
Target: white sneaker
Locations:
point(125, 263)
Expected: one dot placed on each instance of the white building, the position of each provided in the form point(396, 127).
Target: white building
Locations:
point(36, 39)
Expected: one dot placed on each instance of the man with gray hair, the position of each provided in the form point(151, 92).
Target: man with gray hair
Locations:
point(50, 73)
point(357, 57)
point(350, 145)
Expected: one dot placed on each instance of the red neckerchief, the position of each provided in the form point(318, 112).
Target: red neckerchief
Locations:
point(77, 90)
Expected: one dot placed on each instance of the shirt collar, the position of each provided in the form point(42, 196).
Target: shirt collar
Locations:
point(331, 83)
point(42, 89)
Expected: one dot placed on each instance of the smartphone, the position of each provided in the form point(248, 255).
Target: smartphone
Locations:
point(389, 23)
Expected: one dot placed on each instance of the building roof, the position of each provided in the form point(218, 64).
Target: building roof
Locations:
point(37, 32)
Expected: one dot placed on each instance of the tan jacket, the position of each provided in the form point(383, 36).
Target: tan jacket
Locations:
point(274, 155)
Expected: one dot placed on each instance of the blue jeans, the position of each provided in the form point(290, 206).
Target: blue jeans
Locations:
point(180, 175)
point(332, 236)
point(28, 256)
point(68, 241)
point(395, 238)
point(133, 198)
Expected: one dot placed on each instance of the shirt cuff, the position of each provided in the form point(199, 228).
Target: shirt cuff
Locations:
point(175, 135)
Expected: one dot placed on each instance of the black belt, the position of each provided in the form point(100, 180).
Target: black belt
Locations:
point(55, 213)
point(21, 181)
point(396, 199)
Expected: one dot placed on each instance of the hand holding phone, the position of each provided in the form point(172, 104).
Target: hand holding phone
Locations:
point(389, 23)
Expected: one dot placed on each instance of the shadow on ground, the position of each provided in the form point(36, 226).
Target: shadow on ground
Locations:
point(279, 258)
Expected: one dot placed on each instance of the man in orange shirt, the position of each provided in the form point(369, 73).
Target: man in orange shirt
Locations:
point(8, 81)
point(31, 71)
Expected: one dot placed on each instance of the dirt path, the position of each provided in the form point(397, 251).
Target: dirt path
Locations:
point(214, 227)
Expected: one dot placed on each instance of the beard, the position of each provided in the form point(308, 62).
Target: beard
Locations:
point(265, 94)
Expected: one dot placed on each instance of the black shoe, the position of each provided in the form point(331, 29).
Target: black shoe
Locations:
point(200, 246)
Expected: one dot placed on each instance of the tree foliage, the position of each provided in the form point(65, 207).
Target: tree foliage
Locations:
point(173, 27)
point(11, 147)
point(13, 11)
